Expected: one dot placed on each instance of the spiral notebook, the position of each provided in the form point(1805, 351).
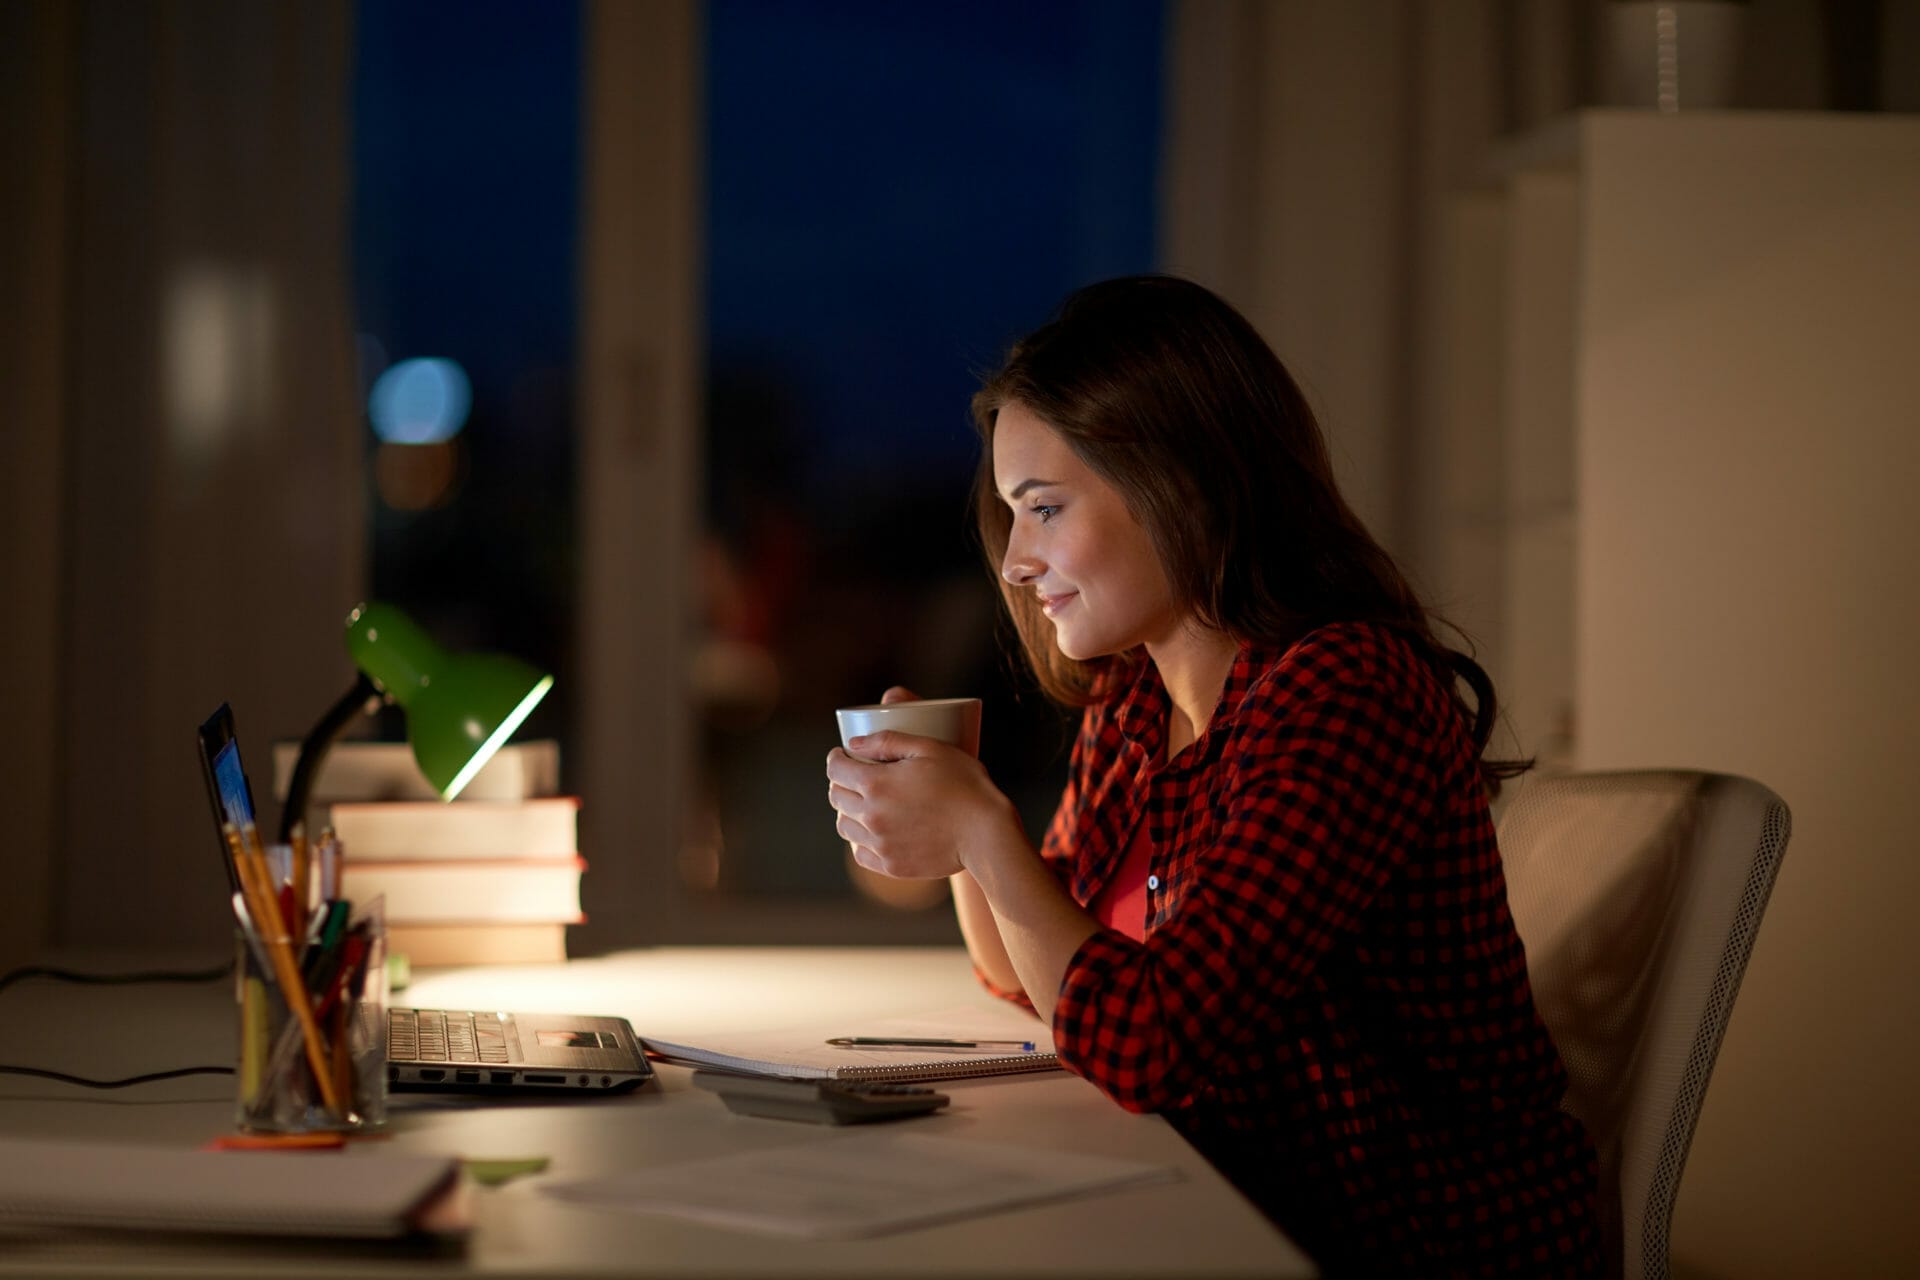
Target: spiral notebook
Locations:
point(811, 1053)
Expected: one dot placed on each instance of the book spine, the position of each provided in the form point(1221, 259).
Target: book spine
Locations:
point(431, 945)
point(433, 831)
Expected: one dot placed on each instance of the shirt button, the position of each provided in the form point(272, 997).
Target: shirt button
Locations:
point(1153, 882)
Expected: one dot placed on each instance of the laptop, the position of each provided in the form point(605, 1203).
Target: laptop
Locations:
point(454, 1050)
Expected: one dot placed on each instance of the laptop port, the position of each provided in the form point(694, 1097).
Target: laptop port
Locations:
point(466, 1077)
point(531, 1078)
point(432, 1075)
point(499, 1077)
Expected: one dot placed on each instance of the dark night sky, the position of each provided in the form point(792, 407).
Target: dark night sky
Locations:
point(894, 192)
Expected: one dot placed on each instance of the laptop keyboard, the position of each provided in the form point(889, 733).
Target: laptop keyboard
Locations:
point(436, 1035)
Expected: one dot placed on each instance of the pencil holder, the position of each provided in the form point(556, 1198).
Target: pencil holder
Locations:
point(313, 1053)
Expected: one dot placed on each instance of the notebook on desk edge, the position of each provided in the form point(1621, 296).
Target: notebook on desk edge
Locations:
point(987, 1039)
point(523, 1052)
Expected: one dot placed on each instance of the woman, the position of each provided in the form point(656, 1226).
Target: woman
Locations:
point(1270, 905)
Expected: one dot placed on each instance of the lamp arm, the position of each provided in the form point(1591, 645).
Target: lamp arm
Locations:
point(315, 747)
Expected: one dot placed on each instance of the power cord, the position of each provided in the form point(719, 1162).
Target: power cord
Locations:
point(148, 1078)
point(114, 980)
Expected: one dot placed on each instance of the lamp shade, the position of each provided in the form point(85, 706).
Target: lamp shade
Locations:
point(459, 708)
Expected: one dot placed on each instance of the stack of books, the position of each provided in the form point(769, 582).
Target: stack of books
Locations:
point(490, 878)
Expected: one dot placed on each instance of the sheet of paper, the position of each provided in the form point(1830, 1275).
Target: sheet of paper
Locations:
point(862, 1183)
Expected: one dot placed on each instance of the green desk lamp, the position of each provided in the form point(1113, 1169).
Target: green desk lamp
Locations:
point(460, 707)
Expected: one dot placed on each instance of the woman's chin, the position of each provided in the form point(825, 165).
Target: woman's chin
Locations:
point(1078, 651)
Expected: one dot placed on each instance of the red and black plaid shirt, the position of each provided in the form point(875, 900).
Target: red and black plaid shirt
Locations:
point(1331, 1000)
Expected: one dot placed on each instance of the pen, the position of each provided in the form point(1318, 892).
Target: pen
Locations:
point(907, 1042)
point(329, 851)
point(255, 944)
point(352, 953)
point(300, 877)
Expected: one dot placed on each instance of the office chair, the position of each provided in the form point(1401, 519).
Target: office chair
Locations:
point(1638, 896)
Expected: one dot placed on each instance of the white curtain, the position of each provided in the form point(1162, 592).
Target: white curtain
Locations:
point(183, 478)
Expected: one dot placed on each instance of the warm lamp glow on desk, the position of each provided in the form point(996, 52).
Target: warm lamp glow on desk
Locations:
point(460, 707)
point(1193, 1224)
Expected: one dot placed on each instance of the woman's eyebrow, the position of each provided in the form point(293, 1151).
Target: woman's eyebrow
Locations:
point(1025, 485)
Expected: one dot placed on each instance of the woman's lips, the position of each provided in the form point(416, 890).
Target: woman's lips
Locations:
point(1051, 605)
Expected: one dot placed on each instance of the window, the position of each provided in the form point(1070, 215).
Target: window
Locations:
point(894, 193)
point(465, 203)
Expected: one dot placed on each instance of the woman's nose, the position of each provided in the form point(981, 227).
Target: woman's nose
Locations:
point(1018, 566)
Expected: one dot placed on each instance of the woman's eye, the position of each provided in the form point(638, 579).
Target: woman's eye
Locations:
point(1045, 511)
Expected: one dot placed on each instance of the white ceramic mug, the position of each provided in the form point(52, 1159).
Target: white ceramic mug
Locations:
point(954, 720)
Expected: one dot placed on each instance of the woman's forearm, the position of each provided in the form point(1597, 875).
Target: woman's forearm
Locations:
point(1036, 925)
point(982, 932)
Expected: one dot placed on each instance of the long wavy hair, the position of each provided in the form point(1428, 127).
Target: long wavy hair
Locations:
point(1173, 398)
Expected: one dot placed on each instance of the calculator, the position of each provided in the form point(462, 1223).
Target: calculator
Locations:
point(820, 1101)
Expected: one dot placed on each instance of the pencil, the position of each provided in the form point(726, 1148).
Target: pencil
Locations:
point(261, 901)
point(253, 1040)
point(301, 892)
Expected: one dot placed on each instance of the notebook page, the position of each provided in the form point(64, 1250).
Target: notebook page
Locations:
point(804, 1051)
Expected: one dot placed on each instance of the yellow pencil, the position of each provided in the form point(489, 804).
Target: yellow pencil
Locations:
point(234, 855)
point(253, 1040)
point(257, 882)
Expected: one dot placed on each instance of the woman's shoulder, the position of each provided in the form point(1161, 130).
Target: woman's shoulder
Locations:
point(1339, 659)
point(1338, 653)
point(1353, 691)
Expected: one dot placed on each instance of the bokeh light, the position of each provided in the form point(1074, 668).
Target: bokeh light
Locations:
point(420, 401)
point(418, 477)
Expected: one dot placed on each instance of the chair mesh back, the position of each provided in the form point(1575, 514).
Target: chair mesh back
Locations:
point(1638, 895)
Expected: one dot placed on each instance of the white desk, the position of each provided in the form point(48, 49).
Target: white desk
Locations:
point(1194, 1227)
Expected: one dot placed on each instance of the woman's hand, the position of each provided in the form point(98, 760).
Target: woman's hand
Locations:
point(915, 808)
point(912, 807)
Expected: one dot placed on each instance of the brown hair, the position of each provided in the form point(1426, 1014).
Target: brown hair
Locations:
point(1174, 399)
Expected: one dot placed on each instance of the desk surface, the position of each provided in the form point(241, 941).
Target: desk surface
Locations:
point(1195, 1226)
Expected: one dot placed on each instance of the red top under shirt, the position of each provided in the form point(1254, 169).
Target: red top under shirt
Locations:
point(1330, 998)
point(1122, 901)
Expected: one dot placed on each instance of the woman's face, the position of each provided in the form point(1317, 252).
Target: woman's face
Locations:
point(1075, 544)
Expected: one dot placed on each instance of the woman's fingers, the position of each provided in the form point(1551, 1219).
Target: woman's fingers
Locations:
point(902, 803)
point(840, 768)
point(850, 829)
point(899, 693)
point(889, 745)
